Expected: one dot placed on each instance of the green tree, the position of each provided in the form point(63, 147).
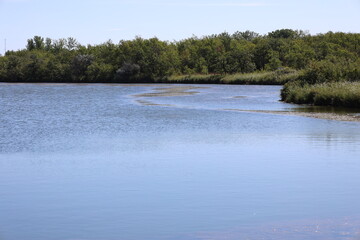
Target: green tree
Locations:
point(247, 35)
point(79, 66)
point(283, 33)
point(30, 45)
point(273, 62)
point(72, 44)
point(39, 43)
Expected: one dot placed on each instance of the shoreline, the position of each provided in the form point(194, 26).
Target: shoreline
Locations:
point(188, 90)
point(277, 77)
point(318, 115)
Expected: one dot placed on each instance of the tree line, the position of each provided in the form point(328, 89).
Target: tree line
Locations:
point(321, 57)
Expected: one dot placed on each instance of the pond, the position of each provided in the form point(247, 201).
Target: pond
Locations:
point(183, 162)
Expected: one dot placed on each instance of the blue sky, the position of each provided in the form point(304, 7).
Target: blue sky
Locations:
point(95, 22)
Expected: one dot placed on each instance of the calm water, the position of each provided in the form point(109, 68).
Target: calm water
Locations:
point(137, 162)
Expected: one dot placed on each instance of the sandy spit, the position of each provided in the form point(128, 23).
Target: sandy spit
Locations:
point(328, 116)
point(171, 91)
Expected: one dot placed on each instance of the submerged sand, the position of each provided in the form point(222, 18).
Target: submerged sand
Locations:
point(329, 116)
point(173, 91)
point(149, 103)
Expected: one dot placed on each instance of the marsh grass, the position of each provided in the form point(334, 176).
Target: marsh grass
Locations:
point(194, 78)
point(278, 77)
point(345, 94)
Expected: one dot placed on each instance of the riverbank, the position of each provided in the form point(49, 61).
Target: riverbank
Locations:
point(278, 77)
point(337, 94)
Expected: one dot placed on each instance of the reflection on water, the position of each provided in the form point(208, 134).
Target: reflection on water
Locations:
point(327, 109)
point(308, 229)
point(112, 162)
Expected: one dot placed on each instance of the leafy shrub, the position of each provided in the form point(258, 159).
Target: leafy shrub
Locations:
point(127, 72)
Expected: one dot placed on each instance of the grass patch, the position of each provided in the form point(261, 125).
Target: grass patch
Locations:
point(195, 78)
point(345, 94)
point(278, 77)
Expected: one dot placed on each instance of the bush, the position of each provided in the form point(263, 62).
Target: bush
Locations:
point(127, 72)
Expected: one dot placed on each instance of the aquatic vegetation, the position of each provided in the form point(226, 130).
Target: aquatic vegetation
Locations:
point(346, 94)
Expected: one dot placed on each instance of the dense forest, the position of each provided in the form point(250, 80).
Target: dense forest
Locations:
point(306, 60)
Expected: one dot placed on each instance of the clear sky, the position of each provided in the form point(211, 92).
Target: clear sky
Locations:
point(96, 21)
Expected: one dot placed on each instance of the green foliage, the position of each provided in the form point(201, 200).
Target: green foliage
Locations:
point(99, 72)
point(193, 78)
point(274, 61)
point(30, 45)
point(36, 43)
point(278, 77)
point(247, 35)
point(79, 66)
point(241, 57)
point(127, 73)
point(345, 94)
point(332, 70)
point(287, 33)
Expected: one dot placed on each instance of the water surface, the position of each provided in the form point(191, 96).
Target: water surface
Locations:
point(135, 162)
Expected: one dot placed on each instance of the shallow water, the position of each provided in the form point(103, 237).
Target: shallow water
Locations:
point(125, 162)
